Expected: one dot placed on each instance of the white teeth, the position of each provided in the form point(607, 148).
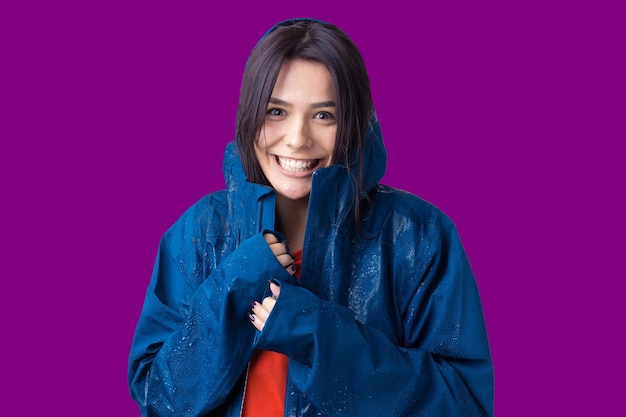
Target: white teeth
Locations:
point(296, 165)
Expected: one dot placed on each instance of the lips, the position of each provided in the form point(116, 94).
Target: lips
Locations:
point(297, 165)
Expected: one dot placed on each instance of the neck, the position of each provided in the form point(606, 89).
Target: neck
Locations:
point(291, 220)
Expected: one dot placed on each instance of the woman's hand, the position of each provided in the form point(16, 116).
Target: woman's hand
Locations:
point(280, 250)
point(261, 311)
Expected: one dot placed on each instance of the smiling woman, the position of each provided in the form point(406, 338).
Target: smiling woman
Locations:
point(306, 287)
point(299, 132)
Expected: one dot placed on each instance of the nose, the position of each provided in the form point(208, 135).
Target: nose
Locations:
point(298, 135)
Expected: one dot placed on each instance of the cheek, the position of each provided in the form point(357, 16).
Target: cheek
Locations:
point(260, 152)
point(262, 142)
point(267, 136)
point(330, 142)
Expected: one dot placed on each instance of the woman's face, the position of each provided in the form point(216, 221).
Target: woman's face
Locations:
point(299, 133)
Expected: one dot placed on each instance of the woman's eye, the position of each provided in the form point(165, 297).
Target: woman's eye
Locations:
point(324, 115)
point(275, 112)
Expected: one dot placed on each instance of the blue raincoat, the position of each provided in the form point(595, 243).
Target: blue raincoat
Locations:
point(388, 323)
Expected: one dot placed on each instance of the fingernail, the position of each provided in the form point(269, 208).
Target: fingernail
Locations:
point(251, 316)
point(293, 268)
point(252, 305)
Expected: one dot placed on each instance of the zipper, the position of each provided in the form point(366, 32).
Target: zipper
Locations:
point(287, 389)
point(245, 387)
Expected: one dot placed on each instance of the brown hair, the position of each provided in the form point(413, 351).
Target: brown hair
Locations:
point(307, 39)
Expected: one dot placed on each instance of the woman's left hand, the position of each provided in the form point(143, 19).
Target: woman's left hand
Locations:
point(261, 311)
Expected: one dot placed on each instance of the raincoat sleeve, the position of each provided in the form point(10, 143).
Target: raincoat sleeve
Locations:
point(193, 339)
point(440, 366)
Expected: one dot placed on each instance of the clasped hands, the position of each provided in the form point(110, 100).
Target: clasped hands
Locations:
point(261, 311)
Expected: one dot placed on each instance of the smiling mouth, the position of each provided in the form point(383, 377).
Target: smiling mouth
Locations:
point(297, 165)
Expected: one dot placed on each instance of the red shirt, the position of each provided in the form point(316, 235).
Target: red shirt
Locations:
point(267, 377)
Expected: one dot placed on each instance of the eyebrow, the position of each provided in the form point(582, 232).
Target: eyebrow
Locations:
point(321, 104)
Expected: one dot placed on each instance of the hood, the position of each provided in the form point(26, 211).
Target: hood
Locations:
point(331, 185)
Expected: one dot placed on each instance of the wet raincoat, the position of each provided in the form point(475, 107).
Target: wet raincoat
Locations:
point(385, 324)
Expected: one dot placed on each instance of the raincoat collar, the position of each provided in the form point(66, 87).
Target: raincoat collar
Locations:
point(252, 205)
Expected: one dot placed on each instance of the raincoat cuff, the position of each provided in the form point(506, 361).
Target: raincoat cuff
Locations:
point(293, 324)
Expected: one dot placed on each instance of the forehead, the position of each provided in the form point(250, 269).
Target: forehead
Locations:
point(304, 81)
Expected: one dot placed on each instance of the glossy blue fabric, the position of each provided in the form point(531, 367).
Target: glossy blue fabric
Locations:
point(386, 324)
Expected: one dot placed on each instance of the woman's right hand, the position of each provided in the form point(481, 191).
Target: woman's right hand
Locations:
point(280, 250)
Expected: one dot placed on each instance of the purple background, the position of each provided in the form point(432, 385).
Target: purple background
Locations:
point(506, 115)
